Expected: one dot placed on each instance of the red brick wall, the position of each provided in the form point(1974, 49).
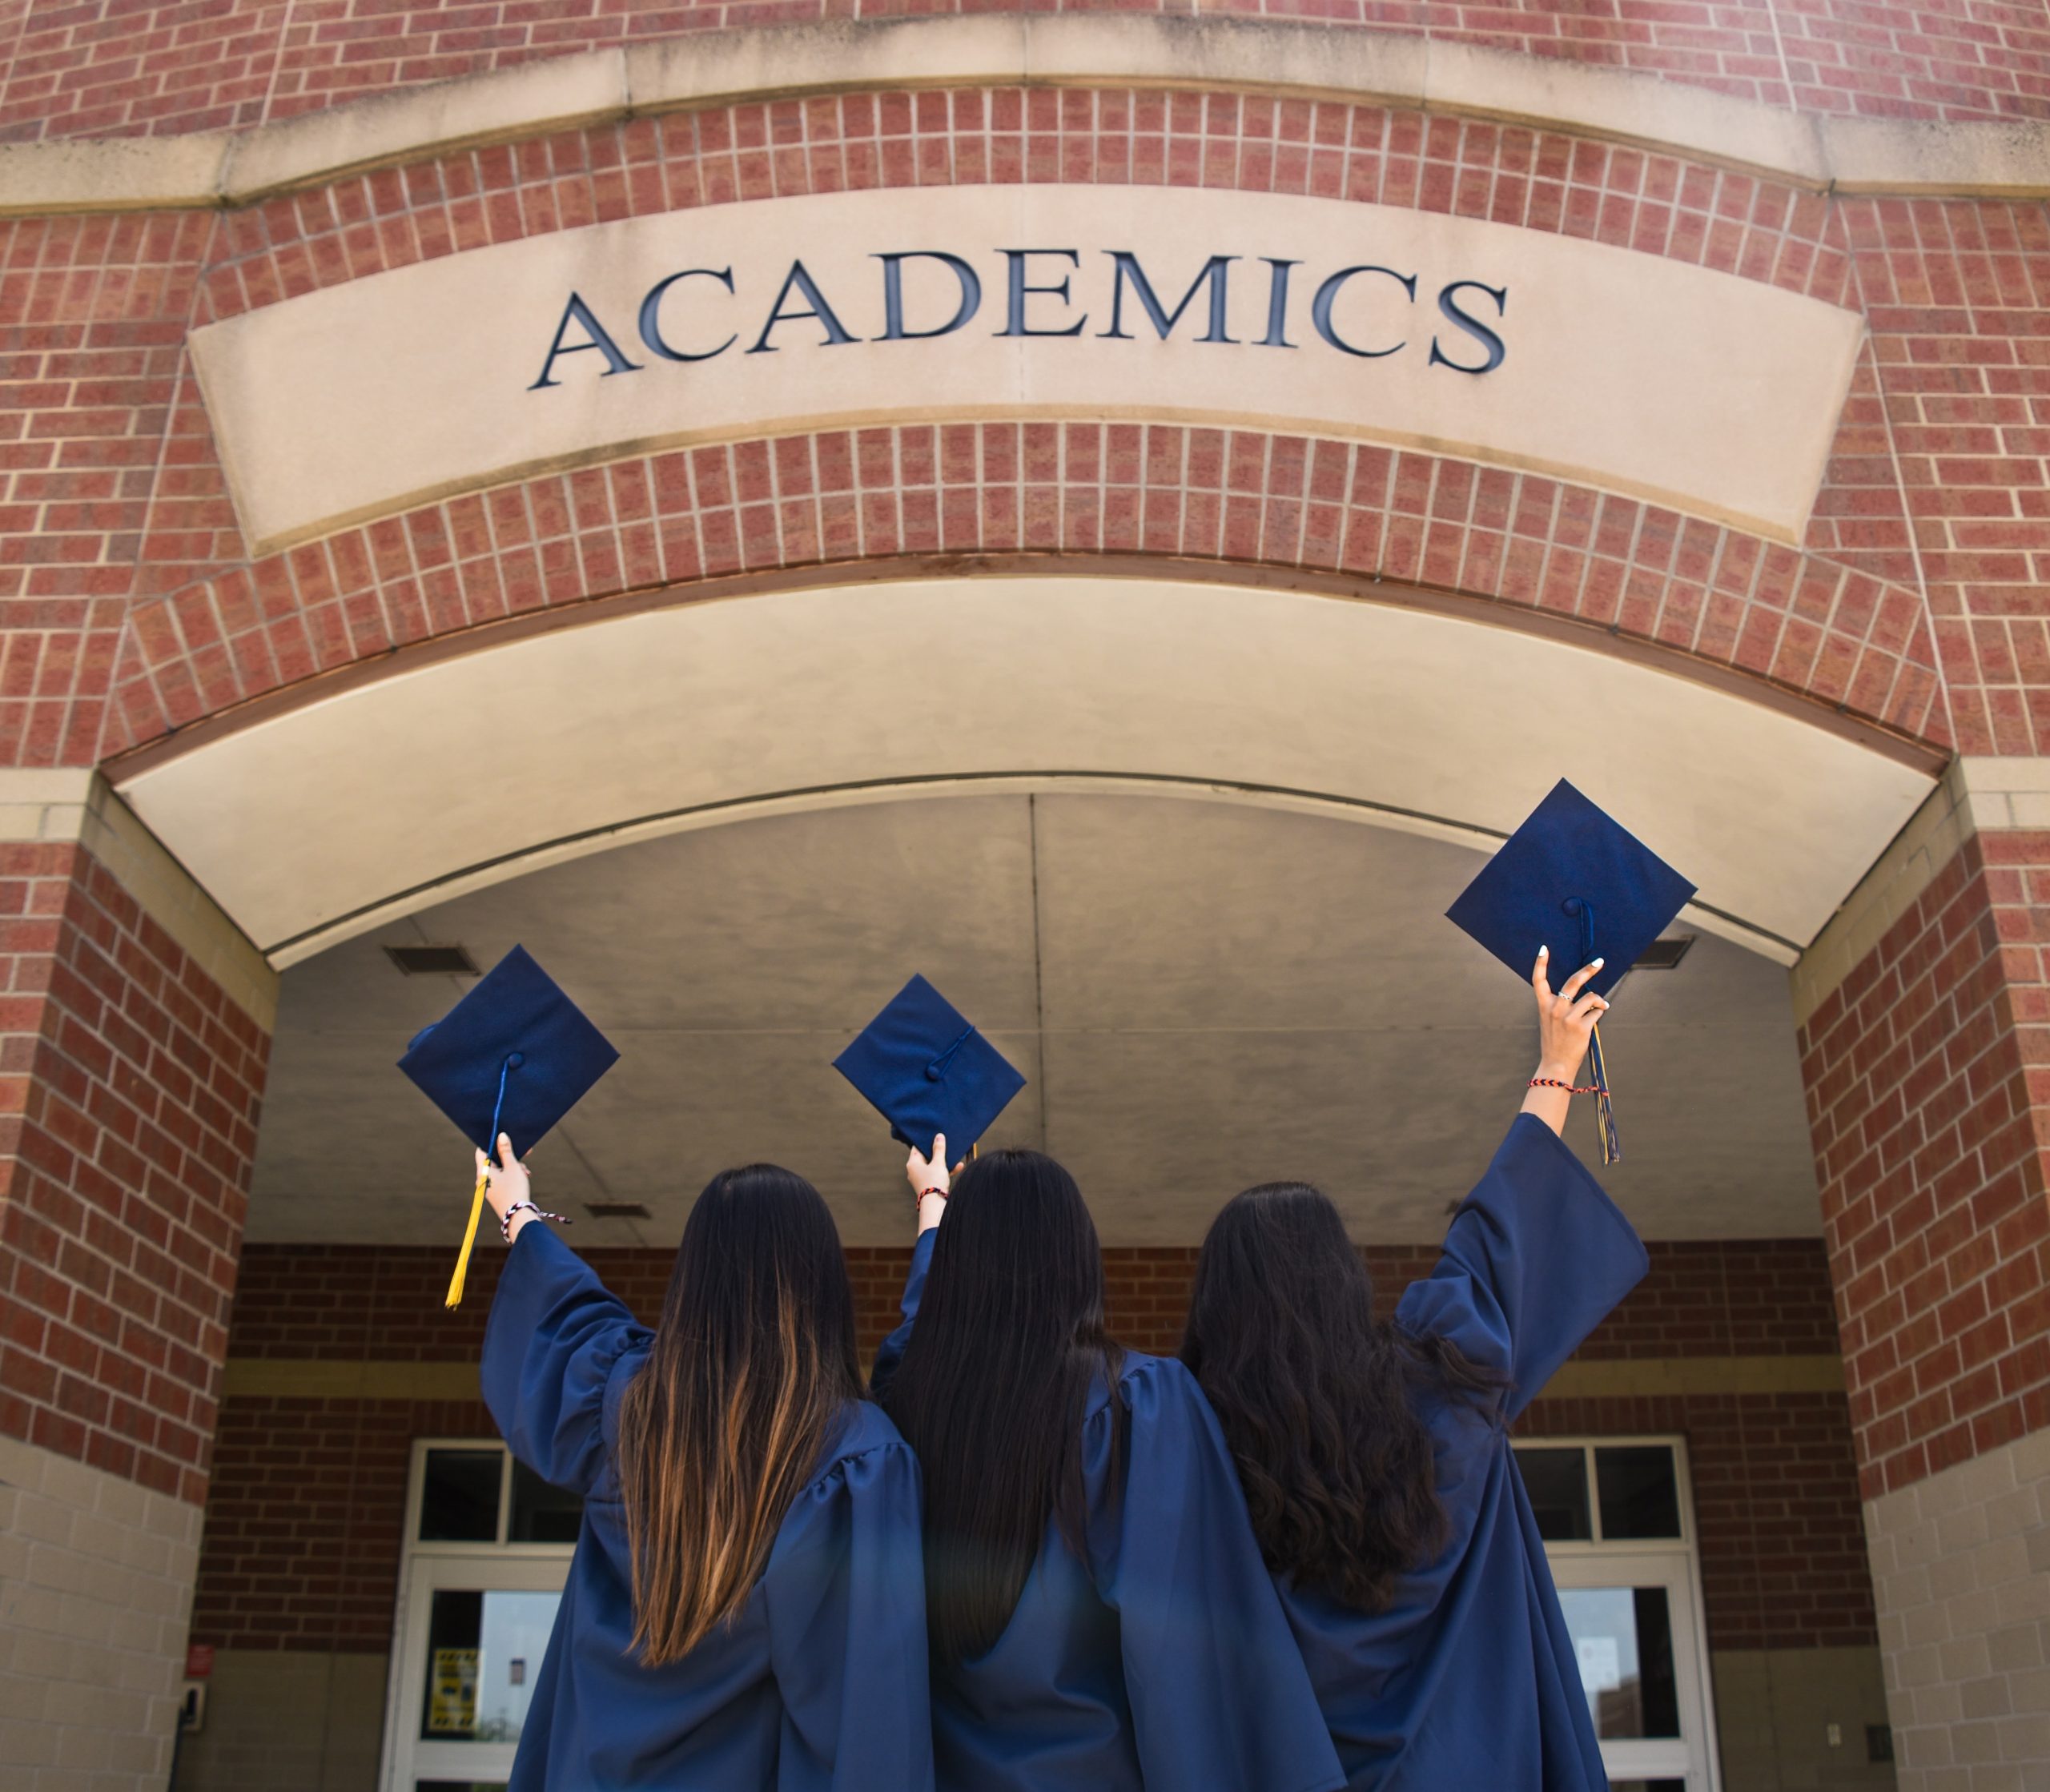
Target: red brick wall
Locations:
point(1776, 1508)
point(1927, 1092)
point(93, 317)
point(306, 1518)
point(129, 1090)
point(303, 1527)
point(1952, 291)
point(358, 1302)
point(113, 68)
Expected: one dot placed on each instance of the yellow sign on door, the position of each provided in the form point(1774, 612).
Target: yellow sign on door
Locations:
point(452, 1693)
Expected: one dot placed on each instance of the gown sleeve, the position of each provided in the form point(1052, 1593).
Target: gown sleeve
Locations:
point(1220, 1700)
point(846, 1608)
point(1536, 1257)
point(551, 1345)
point(891, 1352)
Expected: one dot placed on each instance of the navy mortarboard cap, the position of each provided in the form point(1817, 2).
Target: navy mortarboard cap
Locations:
point(928, 1071)
point(513, 1056)
point(1573, 881)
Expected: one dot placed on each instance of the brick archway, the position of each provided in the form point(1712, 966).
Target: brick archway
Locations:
point(1523, 550)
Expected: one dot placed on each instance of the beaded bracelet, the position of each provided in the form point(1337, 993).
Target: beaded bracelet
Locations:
point(1571, 1089)
point(505, 1224)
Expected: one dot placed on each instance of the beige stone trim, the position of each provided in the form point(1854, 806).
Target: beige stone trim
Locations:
point(1908, 155)
point(1618, 1378)
point(290, 1378)
point(1863, 155)
point(293, 1378)
point(76, 805)
point(1976, 794)
point(1598, 402)
point(114, 174)
point(96, 1581)
point(529, 99)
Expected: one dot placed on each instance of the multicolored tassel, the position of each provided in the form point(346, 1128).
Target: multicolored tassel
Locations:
point(1612, 1149)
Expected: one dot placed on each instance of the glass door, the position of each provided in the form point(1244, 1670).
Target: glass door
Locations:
point(1617, 1518)
point(488, 1549)
point(477, 1632)
point(1630, 1618)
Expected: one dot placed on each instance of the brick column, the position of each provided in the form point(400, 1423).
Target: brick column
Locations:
point(1925, 1043)
point(134, 1030)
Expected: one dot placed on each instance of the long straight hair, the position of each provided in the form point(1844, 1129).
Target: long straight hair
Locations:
point(1317, 1399)
point(994, 1385)
point(754, 1363)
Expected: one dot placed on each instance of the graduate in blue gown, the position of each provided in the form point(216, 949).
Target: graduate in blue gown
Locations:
point(745, 1608)
point(1377, 1460)
point(1100, 1617)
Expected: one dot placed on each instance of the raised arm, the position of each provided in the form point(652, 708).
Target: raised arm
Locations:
point(554, 1339)
point(931, 1180)
point(1537, 1255)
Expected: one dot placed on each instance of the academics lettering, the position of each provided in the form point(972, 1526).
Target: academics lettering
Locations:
point(1365, 311)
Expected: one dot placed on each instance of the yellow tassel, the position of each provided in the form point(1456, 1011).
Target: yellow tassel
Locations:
point(469, 1239)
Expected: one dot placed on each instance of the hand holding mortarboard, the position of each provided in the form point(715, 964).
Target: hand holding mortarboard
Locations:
point(1572, 885)
point(1567, 1020)
point(511, 1057)
point(932, 1182)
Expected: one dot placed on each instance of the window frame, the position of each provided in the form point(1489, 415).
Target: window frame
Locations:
point(1574, 1563)
point(427, 1567)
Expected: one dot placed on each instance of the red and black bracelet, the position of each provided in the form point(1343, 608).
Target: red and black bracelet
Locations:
point(1570, 1088)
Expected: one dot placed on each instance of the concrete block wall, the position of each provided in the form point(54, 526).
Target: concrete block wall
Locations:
point(1961, 1564)
point(96, 1576)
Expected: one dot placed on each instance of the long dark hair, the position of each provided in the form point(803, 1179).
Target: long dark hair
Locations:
point(753, 1364)
point(994, 1386)
point(1317, 1398)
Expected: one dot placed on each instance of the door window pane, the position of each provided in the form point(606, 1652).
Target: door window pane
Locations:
point(1623, 1637)
point(459, 1496)
point(542, 1513)
point(1639, 1493)
point(483, 1655)
point(1556, 1483)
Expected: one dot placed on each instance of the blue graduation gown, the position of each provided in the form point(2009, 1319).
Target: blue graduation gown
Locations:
point(1469, 1678)
point(1162, 1661)
point(819, 1682)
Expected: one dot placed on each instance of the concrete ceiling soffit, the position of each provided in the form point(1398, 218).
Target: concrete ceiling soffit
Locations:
point(322, 821)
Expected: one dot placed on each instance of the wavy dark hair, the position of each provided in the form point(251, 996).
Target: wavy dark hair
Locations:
point(753, 1365)
point(994, 1386)
point(1317, 1398)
